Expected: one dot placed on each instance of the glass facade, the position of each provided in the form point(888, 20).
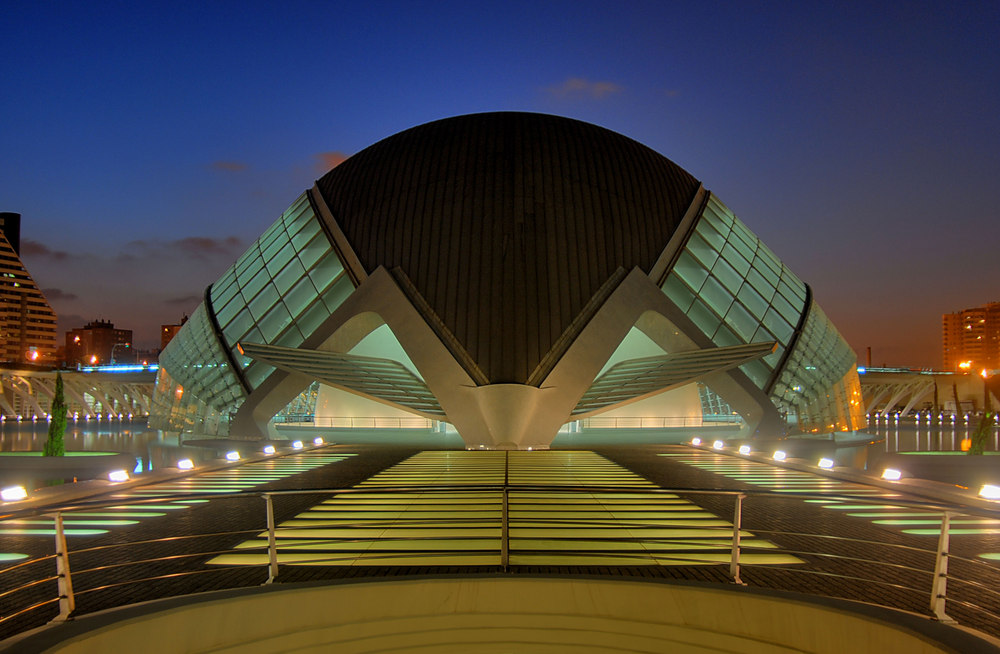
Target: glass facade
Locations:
point(819, 389)
point(278, 293)
point(196, 388)
point(736, 291)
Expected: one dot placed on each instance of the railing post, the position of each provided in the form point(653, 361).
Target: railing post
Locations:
point(64, 584)
point(734, 559)
point(504, 533)
point(272, 547)
point(504, 528)
point(939, 587)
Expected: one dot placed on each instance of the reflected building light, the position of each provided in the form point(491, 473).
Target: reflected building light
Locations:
point(185, 464)
point(318, 440)
point(780, 455)
point(232, 456)
point(296, 445)
point(744, 449)
point(826, 464)
point(718, 445)
point(696, 441)
point(269, 449)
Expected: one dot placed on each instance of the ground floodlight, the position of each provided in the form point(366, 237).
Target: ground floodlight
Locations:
point(825, 463)
point(296, 445)
point(232, 456)
point(13, 494)
point(696, 441)
point(779, 455)
point(892, 474)
point(318, 440)
point(744, 449)
point(718, 445)
point(185, 464)
point(118, 475)
point(269, 449)
point(990, 492)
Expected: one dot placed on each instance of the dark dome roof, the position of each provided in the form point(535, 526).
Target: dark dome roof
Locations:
point(508, 223)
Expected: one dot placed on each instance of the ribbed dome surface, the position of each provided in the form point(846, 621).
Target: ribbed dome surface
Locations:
point(508, 223)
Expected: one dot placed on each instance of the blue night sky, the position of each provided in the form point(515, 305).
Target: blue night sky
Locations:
point(147, 144)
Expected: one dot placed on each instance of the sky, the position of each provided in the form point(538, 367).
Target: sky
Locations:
point(146, 145)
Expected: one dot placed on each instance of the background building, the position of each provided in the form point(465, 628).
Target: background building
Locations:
point(972, 337)
point(167, 332)
point(99, 343)
point(27, 322)
point(509, 274)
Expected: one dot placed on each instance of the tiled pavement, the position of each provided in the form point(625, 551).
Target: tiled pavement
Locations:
point(768, 521)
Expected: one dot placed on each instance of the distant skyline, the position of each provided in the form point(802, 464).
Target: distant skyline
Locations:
point(147, 145)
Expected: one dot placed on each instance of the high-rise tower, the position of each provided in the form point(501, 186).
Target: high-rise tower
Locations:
point(27, 322)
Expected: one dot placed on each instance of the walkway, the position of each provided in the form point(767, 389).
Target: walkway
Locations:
point(405, 513)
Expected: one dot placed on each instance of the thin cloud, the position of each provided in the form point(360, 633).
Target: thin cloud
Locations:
point(579, 87)
point(187, 300)
point(36, 249)
point(196, 246)
point(229, 166)
point(57, 295)
point(326, 161)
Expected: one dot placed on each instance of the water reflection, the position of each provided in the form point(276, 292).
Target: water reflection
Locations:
point(152, 448)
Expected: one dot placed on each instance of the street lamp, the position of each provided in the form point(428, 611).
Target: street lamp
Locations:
point(115, 347)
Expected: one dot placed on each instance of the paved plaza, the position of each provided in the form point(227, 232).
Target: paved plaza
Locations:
point(410, 512)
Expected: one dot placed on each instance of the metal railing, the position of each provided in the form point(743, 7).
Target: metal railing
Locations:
point(837, 559)
point(359, 422)
point(659, 422)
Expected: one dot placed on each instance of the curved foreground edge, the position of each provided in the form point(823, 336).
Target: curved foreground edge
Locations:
point(493, 613)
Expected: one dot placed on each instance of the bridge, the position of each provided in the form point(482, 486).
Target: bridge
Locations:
point(120, 391)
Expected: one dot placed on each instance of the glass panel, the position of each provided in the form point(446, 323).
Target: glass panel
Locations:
point(692, 272)
point(337, 293)
point(280, 259)
point(752, 300)
point(717, 297)
point(678, 292)
point(741, 321)
point(703, 318)
point(326, 270)
point(702, 251)
point(275, 321)
point(297, 299)
point(726, 274)
point(288, 276)
point(261, 304)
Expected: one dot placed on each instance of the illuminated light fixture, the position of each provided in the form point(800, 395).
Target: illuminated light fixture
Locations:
point(696, 441)
point(744, 449)
point(718, 445)
point(118, 475)
point(185, 464)
point(988, 491)
point(13, 494)
point(296, 445)
point(779, 455)
point(892, 474)
point(232, 456)
point(269, 449)
point(318, 440)
point(825, 463)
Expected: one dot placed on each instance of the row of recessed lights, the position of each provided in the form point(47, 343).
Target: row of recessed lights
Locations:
point(18, 493)
point(76, 417)
point(988, 491)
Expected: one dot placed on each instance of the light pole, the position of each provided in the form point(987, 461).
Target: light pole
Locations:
point(114, 347)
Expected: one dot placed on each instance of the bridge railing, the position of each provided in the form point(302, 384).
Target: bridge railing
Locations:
point(73, 581)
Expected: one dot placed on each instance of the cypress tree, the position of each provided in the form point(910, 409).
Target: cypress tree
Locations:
point(982, 434)
point(55, 445)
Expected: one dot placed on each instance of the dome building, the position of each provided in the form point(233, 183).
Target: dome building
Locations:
point(508, 274)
